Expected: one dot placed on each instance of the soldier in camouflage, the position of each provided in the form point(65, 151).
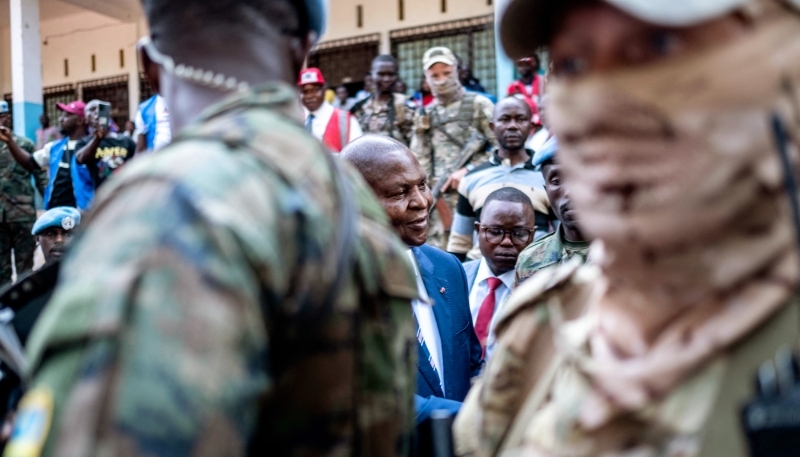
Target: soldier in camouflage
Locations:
point(682, 173)
point(259, 303)
point(445, 128)
point(568, 240)
point(17, 201)
point(385, 112)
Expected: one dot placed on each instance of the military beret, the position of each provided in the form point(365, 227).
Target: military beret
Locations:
point(546, 153)
point(317, 11)
point(63, 216)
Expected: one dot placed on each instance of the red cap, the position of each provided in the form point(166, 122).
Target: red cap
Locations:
point(77, 108)
point(310, 76)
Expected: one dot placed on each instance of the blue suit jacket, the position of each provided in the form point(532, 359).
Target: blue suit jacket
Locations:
point(446, 284)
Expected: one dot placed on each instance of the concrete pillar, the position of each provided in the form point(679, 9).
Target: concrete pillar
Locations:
point(26, 66)
point(505, 66)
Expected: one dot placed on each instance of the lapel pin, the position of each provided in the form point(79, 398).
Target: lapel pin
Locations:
point(441, 291)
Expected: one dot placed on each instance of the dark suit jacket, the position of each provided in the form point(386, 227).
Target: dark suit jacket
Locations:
point(446, 284)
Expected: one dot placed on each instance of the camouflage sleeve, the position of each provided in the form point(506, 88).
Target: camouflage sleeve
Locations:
point(421, 140)
point(155, 339)
point(406, 123)
point(39, 176)
point(484, 112)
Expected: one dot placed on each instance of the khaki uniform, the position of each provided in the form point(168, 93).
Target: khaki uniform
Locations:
point(550, 250)
point(197, 312)
point(531, 401)
point(435, 128)
point(394, 119)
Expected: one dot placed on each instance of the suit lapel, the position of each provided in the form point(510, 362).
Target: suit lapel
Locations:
point(434, 284)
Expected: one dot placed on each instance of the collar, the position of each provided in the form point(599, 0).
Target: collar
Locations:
point(484, 273)
point(495, 160)
point(324, 110)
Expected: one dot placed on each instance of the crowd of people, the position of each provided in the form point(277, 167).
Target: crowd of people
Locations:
point(298, 271)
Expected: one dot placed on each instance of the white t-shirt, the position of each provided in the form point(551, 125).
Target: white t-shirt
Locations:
point(42, 156)
point(163, 132)
point(427, 322)
point(480, 289)
point(321, 118)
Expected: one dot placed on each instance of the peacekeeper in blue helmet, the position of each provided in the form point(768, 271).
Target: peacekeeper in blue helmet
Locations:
point(22, 303)
point(239, 293)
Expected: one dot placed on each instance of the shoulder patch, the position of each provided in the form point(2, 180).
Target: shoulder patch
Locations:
point(32, 424)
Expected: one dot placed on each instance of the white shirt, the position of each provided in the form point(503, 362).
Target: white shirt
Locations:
point(321, 118)
point(427, 322)
point(480, 289)
point(163, 133)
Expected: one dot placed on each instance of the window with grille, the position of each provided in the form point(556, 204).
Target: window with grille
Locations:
point(113, 90)
point(64, 93)
point(470, 39)
point(345, 61)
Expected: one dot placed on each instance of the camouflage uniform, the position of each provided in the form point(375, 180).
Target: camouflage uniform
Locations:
point(437, 152)
point(391, 119)
point(209, 330)
point(549, 250)
point(18, 210)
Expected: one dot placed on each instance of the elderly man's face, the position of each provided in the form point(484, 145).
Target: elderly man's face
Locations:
point(404, 193)
point(597, 37)
point(312, 96)
point(53, 241)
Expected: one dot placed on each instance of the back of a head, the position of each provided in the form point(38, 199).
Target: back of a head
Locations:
point(510, 195)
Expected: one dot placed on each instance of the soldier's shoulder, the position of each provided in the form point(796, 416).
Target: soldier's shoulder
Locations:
point(24, 142)
point(358, 106)
point(548, 282)
point(541, 253)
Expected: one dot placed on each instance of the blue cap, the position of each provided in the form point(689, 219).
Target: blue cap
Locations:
point(3, 106)
point(317, 11)
point(63, 217)
point(546, 152)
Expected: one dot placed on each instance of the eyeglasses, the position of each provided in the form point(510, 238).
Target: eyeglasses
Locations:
point(496, 235)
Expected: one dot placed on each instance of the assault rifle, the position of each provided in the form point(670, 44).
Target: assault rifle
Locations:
point(475, 143)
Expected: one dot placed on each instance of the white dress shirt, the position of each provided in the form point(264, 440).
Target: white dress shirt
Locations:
point(427, 322)
point(478, 293)
point(321, 118)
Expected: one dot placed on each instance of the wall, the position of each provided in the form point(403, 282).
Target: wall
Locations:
point(381, 16)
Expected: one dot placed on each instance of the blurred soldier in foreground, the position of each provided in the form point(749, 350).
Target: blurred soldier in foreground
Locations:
point(385, 111)
point(259, 304)
point(674, 163)
point(455, 125)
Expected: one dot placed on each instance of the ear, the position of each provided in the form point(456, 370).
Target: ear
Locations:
point(151, 71)
point(491, 125)
point(477, 226)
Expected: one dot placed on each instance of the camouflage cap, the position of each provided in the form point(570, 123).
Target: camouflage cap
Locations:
point(436, 55)
point(527, 24)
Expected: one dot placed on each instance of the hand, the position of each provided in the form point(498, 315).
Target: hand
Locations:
point(454, 180)
point(5, 135)
point(100, 131)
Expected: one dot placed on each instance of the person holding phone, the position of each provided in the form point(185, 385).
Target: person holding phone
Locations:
point(104, 152)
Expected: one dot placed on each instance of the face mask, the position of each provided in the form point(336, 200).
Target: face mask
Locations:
point(447, 90)
point(674, 169)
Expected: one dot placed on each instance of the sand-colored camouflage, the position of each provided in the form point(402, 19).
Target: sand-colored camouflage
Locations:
point(552, 249)
point(18, 209)
point(432, 144)
point(178, 327)
point(395, 119)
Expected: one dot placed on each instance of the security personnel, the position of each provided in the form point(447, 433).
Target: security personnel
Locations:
point(446, 127)
point(674, 121)
point(17, 207)
point(22, 303)
point(568, 240)
point(238, 293)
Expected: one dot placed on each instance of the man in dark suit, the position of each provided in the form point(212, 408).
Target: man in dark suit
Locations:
point(449, 351)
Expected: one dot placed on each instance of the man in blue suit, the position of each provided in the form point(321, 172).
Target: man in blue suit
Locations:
point(449, 351)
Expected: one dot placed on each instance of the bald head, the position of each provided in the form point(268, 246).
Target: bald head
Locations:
point(398, 180)
point(509, 103)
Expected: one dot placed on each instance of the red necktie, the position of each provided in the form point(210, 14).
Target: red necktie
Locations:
point(486, 312)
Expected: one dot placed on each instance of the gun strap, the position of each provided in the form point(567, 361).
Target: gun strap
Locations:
point(465, 115)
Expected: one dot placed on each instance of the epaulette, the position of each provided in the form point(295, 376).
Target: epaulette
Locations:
point(538, 289)
point(19, 294)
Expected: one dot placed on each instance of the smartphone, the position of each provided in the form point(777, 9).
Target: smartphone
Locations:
point(104, 114)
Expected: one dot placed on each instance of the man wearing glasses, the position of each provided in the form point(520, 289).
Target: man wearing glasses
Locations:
point(505, 229)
